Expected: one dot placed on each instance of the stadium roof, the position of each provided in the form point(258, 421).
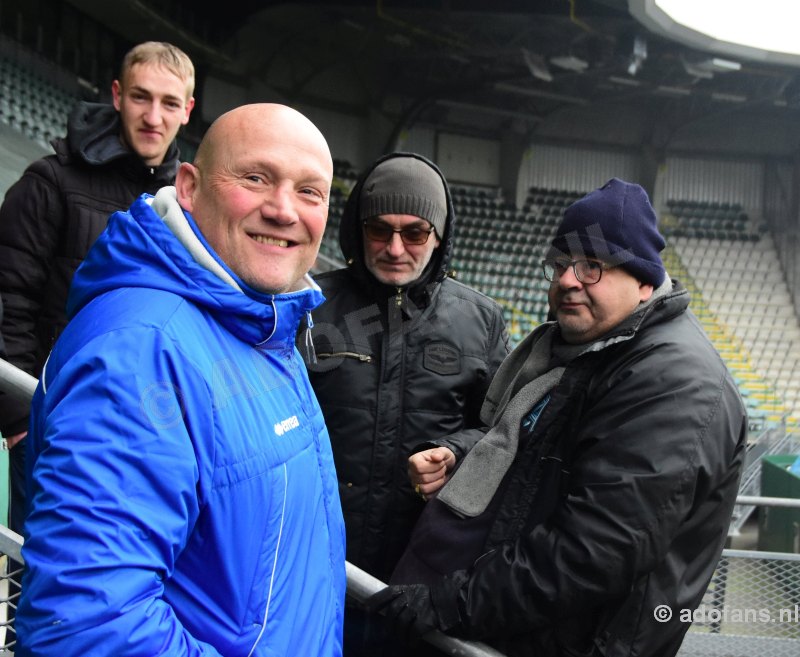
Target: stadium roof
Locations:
point(469, 65)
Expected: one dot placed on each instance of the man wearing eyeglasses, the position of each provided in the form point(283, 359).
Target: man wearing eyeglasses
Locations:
point(604, 485)
point(404, 355)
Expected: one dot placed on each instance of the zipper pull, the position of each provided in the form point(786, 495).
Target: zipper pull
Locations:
point(311, 353)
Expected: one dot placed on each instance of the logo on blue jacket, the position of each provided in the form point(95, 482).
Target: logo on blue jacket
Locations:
point(286, 425)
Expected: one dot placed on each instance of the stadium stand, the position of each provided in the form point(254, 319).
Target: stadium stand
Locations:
point(499, 249)
point(708, 220)
point(344, 177)
point(31, 105)
point(721, 251)
point(738, 281)
point(32, 111)
point(16, 152)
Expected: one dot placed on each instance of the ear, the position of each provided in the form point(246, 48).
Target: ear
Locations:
point(186, 183)
point(116, 93)
point(645, 291)
point(189, 107)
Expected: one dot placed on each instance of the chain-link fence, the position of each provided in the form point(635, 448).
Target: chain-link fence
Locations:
point(751, 608)
point(10, 576)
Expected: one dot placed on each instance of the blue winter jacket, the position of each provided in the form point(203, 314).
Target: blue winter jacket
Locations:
point(183, 499)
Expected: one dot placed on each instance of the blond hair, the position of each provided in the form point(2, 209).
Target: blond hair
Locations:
point(164, 54)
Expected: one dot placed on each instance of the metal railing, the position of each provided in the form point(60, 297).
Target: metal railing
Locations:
point(773, 439)
point(15, 382)
point(361, 585)
point(751, 607)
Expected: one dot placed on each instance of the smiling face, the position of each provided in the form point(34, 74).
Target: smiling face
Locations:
point(587, 312)
point(259, 192)
point(152, 103)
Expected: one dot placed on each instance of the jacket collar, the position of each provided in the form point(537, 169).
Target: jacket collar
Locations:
point(668, 300)
point(283, 311)
point(156, 244)
point(93, 137)
point(669, 297)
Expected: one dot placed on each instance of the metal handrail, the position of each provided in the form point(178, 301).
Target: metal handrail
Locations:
point(15, 382)
point(756, 500)
point(361, 585)
point(760, 554)
point(11, 544)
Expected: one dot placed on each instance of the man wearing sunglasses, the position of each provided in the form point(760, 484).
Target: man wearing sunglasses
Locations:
point(404, 355)
point(606, 479)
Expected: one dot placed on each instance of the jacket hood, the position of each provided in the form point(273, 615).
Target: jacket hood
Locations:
point(93, 136)
point(351, 237)
point(157, 245)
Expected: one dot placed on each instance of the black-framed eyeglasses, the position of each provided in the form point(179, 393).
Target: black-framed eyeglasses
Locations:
point(587, 272)
point(380, 232)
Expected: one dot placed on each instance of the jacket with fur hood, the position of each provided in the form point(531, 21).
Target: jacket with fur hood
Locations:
point(48, 221)
point(397, 369)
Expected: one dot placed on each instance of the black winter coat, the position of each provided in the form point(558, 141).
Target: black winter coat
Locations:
point(617, 503)
point(49, 219)
point(397, 370)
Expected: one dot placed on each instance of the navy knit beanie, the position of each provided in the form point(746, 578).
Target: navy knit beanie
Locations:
point(405, 185)
point(615, 224)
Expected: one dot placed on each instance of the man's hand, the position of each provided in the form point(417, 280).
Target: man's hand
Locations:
point(408, 609)
point(429, 470)
point(13, 440)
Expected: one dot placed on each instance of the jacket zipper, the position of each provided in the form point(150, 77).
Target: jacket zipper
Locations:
point(364, 358)
point(274, 563)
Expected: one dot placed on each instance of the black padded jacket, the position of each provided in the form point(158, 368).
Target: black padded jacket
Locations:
point(617, 506)
point(49, 219)
point(397, 370)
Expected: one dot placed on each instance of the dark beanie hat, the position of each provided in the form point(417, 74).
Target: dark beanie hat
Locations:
point(616, 224)
point(405, 185)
